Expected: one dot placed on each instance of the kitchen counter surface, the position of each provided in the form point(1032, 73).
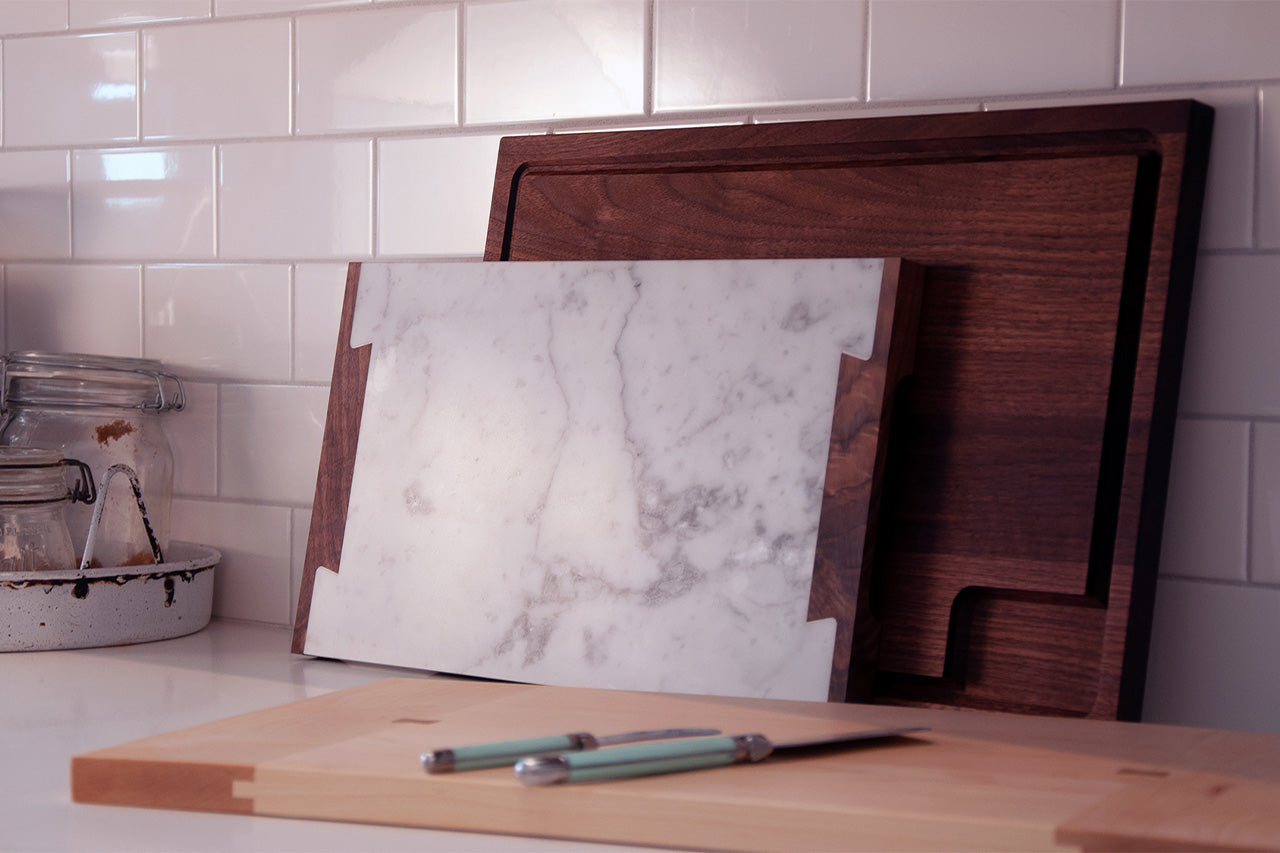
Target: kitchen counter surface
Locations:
point(57, 704)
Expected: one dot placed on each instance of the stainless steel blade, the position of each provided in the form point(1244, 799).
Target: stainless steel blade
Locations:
point(653, 734)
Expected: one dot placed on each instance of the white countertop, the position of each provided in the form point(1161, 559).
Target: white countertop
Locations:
point(54, 705)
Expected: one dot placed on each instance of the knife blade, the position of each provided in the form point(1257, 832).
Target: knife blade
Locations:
point(647, 759)
point(482, 755)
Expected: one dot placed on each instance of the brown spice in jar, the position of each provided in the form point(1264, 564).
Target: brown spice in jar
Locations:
point(115, 429)
point(141, 558)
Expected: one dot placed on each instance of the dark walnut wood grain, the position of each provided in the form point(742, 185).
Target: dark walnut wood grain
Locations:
point(1020, 526)
point(860, 427)
point(337, 457)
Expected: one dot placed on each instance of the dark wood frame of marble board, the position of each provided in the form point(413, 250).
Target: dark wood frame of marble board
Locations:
point(1019, 534)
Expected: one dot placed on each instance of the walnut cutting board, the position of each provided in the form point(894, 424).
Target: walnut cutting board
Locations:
point(1019, 528)
point(972, 782)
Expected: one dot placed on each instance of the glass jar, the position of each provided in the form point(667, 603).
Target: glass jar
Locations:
point(104, 411)
point(34, 496)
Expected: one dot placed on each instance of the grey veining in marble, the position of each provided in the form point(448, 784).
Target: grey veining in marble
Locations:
point(595, 474)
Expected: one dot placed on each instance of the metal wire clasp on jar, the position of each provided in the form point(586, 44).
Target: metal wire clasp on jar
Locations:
point(104, 411)
point(33, 497)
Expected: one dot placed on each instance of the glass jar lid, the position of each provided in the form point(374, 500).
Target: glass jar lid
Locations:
point(29, 475)
point(77, 380)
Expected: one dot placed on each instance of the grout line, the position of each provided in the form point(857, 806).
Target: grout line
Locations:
point(71, 203)
point(1248, 504)
point(1122, 21)
point(142, 310)
point(866, 53)
point(217, 201)
point(1219, 582)
point(137, 83)
point(1259, 115)
point(850, 109)
point(293, 323)
point(648, 58)
point(217, 441)
point(293, 77)
point(460, 108)
point(375, 196)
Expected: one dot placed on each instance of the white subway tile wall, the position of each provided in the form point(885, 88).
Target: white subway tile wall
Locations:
point(92, 78)
point(1268, 179)
point(219, 321)
point(97, 13)
point(142, 203)
point(1175, 41)
point(1206, 524)
point(187, 180)
point(529, 60)
point(1264, 564)
point(726, 53)
point(35, 205)
point(74, 308)
point(32, 16)
point(966, 48)
point(416, 176)
point(386, 68)
point(191, 91)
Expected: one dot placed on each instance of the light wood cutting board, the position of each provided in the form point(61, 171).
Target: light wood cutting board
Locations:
point(353, 756)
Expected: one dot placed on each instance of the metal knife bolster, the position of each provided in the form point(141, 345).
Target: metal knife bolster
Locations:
point(642, 759)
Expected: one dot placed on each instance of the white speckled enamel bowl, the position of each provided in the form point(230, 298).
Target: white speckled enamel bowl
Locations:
point(108, 606)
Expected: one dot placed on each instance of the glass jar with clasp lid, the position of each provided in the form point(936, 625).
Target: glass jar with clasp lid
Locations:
point(104, 411)
point(34, 494)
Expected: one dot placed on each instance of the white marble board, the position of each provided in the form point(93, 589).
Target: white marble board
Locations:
point(595, 474)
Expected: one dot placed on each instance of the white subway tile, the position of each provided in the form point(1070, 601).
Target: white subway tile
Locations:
point(87, 14)
point(965, 48)
point(1229, 194)
point(213, 321)
point(1232, 345)
point(1268, 186)
point(255, 7)
point(269, 442)
point(143, 203)
point(1205, 524)
point(32, 16)
point(252, 580)
point(301, 529)
point(61, 90)
point(1203, 41)
point(434, 195)
point(73, 308)
point(384, 68)
point(193, 435)
point(191, 90)
point(731, 53)
point(298, 199)
point(554, 59)
point(1213, 659)
point(1264, 554)
point(317, 307)
point(35, 205)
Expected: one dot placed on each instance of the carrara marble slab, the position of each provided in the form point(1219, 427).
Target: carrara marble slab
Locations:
point(595, 474)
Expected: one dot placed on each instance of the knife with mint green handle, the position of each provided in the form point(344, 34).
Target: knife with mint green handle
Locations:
point(648, 759)
point(482, 755)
